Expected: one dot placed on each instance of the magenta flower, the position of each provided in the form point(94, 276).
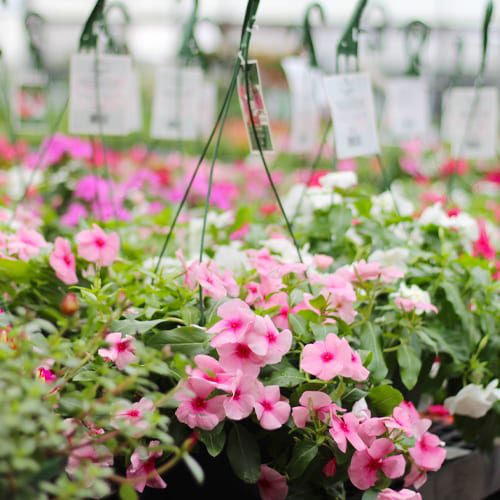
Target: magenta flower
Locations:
point(196, 409)
point(236, 319)
point(121, 350)
point(366, 464)
point(239, 404)
point(327, 358)
point(94, 245)
point(63, 261)
point(428, 452)
point(142, 472)
point(270, 409)
point(313, 404)
point(388, 494)
point(345, 428)
point(76, 212)
point(135, 415)
point(272, 485)
point(46, 374)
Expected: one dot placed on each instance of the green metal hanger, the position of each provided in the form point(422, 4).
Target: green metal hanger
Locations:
point(33, 23)
point(189, 48)
point(488, 15)
point(307, 39)
point(88, 38)
point(115, 46)
point(415, 32)
point(348, 44)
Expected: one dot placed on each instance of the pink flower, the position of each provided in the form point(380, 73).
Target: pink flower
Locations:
point(46, 374)
point(322, 261)
point(209, 369)
point(354, 368)
point(330, 468)
point(345, 428)
point(483, 246)
point(196, 409)
point(142, 472)
point(416, 477)
point(272, 485)
point(428, 452)
point(325, 358)
point(26, 244)
point(271, 411)
point(279, 299)
point(365, 464)
point(240, 403)
point(265, 340)
point(63, 261)
point(237, 318)
point(239, 356)
point(121, 350)
point(313, 404)
point(388, 494)
point(94, 245)
point(134, 415)
point(87, 453)
point(406, 418)
point(409, 305)
point(76, 212)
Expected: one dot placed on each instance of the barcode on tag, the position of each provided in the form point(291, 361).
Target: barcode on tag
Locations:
point(354, 141)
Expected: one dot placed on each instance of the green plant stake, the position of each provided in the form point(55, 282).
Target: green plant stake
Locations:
point(416, 35)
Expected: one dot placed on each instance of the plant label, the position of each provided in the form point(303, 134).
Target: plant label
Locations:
point(408, 107)
point(353, 113)
point(257, 124)
point(177, 103)
point(100, 94)
point(135, 117)
point(470, 122)
point(305, 108)
point(30, 102)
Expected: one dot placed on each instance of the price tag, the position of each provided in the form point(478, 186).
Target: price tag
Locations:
point(305, 109)
point(209, 109)
point(408, 107)
point(470, 122)
point(135, 117)
point(30, 102)
point(177, 103)
point(351, 102)
point(100, 94)
point(258, 107)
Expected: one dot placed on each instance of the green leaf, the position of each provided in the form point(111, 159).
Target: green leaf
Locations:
point(370, 495)
point(195, 468)
point(213, 440)
point(131, 326)
point(318, 302)
point(188, 340)
point(383, 399)
point(14, 270)
point(297, 324)
point(244, 454)
point(286, 376)
point(304, 453)
point(410, 365)
point(454, 298)
point(127, 492)
point(370, 340)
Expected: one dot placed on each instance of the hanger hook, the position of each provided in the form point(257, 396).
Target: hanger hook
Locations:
point(307, 40)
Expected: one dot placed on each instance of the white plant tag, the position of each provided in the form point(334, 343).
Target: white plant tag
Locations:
point(305, 109)
point(135, 117)
point(30, 102)
point(470, 122)
point(99, 94)
point(353, 113)
point(208, 109)
point(177, 103)
point(408, 107)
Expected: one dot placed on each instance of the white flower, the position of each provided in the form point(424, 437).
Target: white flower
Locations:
point(342, 180)
point(287, 251)
point(397, 257)
point(465, 225)
point(360, 410)
point(433, 215)
point(387, 202)
point(353, 235)
point(168, 265)
point(294, 197)
point(413, 293)
point(321, 198)
point(232, 258)
point(18, 178)
point(473, 401)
